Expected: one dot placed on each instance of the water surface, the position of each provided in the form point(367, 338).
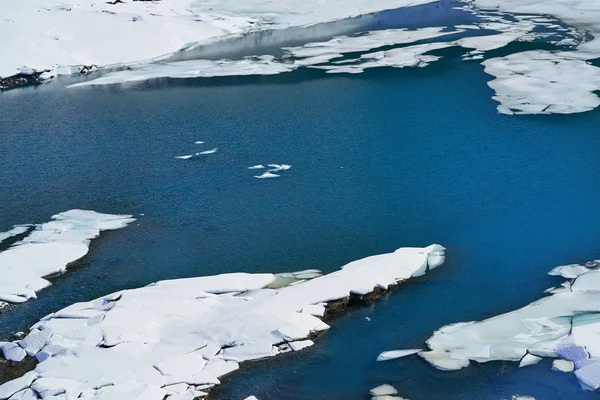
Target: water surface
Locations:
point(386, 159)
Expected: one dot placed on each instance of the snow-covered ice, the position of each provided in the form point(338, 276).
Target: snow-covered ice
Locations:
point(48, 250)
point(172, 337)
point(543, 82)
point(564, 326)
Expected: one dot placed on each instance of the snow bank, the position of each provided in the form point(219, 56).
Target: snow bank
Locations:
point(174, 339)
point(565, 325)
point(48, 249)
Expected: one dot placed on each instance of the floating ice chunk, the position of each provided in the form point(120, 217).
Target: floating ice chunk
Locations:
point(520, 397)
point(529, 360)
point(542, 82)
point(49, 249)
point(199, 142)
point(383, 390)
point(563, 365)
point(266, 175)
point(259, 166)
point(393, 354)
point(251, 398)
point(145, 343)
point(279, 167)
point(300, 344)
point(589, 375)
point(211, 151)
point(187, 157)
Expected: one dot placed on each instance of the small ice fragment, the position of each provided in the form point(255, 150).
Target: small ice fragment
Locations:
point(529, 359)
point(199, 142)
point(251, 398)
point(259, 166)
point(563, 365)
point(392, 354)
point(185, 157)
point(266, 175)
point(279, 167)
point(211, 151)
point(384, 390)
point(367, 318)
point(301, 344)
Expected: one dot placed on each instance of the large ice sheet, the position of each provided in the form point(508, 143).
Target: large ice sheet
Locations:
point(132, 31)
point(565, 325)
point(48, 250)
point(148, 343)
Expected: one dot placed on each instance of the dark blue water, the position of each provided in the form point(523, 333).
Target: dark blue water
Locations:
point(386, 159)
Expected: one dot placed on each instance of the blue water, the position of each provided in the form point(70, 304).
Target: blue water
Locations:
point(385, 159)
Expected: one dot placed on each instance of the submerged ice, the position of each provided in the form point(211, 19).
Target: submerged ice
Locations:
point(49, 249)
point(174, 339)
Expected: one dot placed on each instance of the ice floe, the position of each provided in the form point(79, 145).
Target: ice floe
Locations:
point(49, 249)
point(564, 326)
point(543, 82)
point(186, 157)
point(270, 173)
point(393, 354)
point(174, 339)
point(211, 151)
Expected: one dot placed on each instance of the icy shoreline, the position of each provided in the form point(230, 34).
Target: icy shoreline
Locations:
point(48, 250)
point(174, 339)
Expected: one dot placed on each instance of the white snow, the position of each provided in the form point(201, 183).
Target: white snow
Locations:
point(259, 166)
point(393, 354)
point(565, 325)
point(49, 249)
point(145, 343)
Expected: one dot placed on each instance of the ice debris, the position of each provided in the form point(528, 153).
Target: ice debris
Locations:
point(174, 339)
point(49, 249)
point(564, 326)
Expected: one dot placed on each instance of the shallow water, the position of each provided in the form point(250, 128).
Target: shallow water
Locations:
point(386, 159)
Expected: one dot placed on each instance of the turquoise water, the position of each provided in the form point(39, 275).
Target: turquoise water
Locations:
point(385, 159)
